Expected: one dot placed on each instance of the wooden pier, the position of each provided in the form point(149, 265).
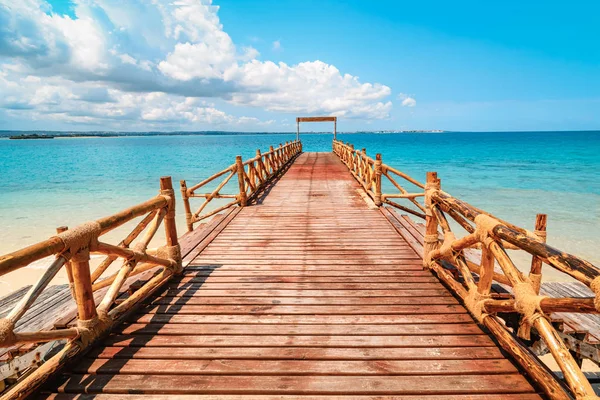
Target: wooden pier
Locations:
point(311, 290)
point(293, 296)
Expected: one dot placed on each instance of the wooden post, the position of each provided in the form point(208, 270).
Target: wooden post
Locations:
point(260, 165)
point(272, 159)
point(166, 188)
point(186, 206)
point(334, 129)
point(68, 266)
point(431, 224)
point(363, 165)
point(486, 272)
point(242, 186)
point(82, 283)
point(378, 173)
point(280, 152)
point(297, 129)
point(535, 273)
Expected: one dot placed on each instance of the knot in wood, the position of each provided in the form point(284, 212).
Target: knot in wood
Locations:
point(7, 333)
point(595, 286)
point(527, 301)
point(80, 240)
point(484, 225)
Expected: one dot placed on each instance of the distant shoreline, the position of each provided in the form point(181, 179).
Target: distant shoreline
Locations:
point(6, 134)
point(92, 134)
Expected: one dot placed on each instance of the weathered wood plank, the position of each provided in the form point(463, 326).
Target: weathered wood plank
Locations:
point(225, 300)
point(297, 341)
point(316, 385)
point(294, 367)
point(281, 329)
point(309, 310)
point(301, 319)
point(199, 291)
point(300, 353)
point(304, 286)
point(103, 396)
point(307, 279)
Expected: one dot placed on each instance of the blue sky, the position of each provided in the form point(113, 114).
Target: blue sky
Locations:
point(469, 65)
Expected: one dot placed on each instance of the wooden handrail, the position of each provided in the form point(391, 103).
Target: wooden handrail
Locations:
point(72, 249)
point(473, 283)
point(252, 175)
point(370, 172)
point(492, 234)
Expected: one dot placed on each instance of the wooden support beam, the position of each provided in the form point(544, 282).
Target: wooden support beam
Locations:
point(316, 119)
point(243, 199)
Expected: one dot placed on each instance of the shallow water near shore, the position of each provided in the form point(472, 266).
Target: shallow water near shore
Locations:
point(513, 175)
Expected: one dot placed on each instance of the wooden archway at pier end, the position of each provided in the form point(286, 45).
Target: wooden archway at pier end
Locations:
point(316, 119)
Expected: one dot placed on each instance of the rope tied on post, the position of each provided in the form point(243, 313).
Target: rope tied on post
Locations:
point(595, 286)
point(81, 239)
point(484, 226)
point(172, 253)
point(527, 301)
point(91, 329)
point(7, 333)
point(139, 251)
point(431, 239)
point(475, 303)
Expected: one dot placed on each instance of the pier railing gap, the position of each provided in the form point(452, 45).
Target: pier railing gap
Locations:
point(444, 254)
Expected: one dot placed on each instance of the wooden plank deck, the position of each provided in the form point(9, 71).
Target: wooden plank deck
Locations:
point(309, 294)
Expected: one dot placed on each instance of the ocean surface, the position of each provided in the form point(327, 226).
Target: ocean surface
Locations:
point(49, 183)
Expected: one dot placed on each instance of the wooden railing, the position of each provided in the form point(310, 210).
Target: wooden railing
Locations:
point(444, 254)
point(71, 249)
point(252, 176)
point(369, 172)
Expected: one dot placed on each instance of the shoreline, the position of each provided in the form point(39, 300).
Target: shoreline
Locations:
point(5, 134)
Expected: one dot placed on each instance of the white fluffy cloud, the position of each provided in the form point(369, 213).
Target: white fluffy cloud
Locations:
point(159, 62)
point(407, 101)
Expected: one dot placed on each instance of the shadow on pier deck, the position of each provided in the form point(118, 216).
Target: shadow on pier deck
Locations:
point(309, 294)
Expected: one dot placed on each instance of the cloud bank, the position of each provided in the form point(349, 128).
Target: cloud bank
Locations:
point(157, 63)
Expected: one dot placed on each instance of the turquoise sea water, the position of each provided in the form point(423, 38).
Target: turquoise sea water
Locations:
point(48, 183)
